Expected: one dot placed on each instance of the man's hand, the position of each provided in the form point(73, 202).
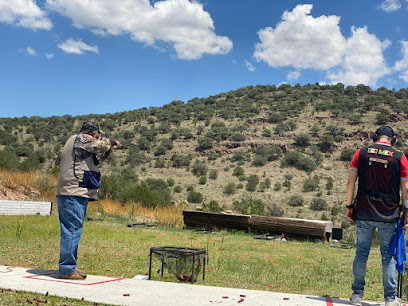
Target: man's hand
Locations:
point(349, 214)
point(116, 145)
point(405, 221)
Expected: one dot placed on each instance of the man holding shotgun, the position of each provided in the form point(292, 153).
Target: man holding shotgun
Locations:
point(78, 183)
point(382, 171)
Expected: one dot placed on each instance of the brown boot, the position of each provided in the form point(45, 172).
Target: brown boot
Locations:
point(76, 276)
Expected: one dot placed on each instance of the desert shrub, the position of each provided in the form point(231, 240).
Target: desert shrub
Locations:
point(199, 169)
point(159, 163)
point(259, 161)
point(135, 157)
point(250, 207)
point(204, 143)
point(230, 188)
point(237, 137)
point(160, 186)
point(8, 160)
point(329, 183)
point(302, 140)
point(238, 171)
point(252, 182)
point(381, 119)
point(213, 175)
point(274, 210)
point(179, 161)
point(177, 189)
point(287, 184)
point(296, 200)
point(195, 197)
point(29, 164)
point(347, 154)
point(202, 180)
point(170, 182)
point(266, 132)
point(212, 206)
point(160, 150)
point(240, 186)
point(318, 204)
point(275, 117)
point(240, 156)
point(145, 196)
point(299, 161)
point(277, 186)
point(310, 184)
point(271, 153)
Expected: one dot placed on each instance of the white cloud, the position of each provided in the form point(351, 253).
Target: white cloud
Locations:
point(249, 65)
point(24, 13)
point(402, 65)
point(182, 23)
point(77, 47)
point(31, 51)
point(364, 62)
point(303, 41)
point(49, 55)
point(390, 5)
point(293, 75)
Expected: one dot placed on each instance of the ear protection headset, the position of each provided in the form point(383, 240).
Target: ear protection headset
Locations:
point(393, 137)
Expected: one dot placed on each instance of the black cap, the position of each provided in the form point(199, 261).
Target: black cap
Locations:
point(91, 126)
point(385, 130)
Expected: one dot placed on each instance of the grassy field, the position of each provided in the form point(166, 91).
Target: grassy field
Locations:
point(236, 260)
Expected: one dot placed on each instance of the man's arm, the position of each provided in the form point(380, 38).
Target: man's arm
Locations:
point(404, 193)
point(351, 182)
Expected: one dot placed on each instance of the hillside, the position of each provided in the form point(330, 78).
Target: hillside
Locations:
point(288, 146)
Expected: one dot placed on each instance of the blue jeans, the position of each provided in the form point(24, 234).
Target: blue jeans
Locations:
point(71, 211)
point(365, 233)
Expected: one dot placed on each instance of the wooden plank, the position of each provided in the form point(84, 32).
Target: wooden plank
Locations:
point(299, 227)
point(260, 224)
point(212, 220)
point(25, 208)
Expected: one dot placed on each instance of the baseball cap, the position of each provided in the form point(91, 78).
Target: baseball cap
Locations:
point(91, 126)
point(385, 130)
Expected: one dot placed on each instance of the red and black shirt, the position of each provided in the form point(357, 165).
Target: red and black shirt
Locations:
point(380, 169)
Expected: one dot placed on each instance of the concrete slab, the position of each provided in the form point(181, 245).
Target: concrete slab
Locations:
point(124, 291)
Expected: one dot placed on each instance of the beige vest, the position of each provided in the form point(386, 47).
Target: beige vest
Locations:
point(70, 179)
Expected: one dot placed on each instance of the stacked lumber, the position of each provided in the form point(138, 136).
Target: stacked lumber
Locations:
point(25, 208)
point(259, 224)
point(215, 221)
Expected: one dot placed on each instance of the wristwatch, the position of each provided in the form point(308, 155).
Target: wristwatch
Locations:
point(350, 206)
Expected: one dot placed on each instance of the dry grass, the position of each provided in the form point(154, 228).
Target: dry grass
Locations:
point(166, 215)
point(32, 185)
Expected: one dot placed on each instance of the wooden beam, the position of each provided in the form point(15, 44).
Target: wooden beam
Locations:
point(25, 208)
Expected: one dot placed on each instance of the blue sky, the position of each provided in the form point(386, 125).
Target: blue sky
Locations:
point(101, 56)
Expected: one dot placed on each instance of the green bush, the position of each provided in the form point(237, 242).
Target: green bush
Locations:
point(199, 169)
point(195, 197)
point(204, 143)
point(302, 140)
point(250, 207)
point(347, 154)
point(177, 189)
point(299, 161)
point(310, 185)
point(230, 188)
point(252, 182)
point(213, 174)
point(212, 206)
point(277, 186)
point(259, 161)
point(8, 160)
point(296, 200)
point(202, 180)
point(329, 183)
point(170, 182)
point(237, 137)
point(319, 204)
point(29, 164)
point(238, 171)
point(274, 210)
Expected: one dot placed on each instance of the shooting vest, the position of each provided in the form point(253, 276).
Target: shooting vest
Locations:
point(78, 176)
point(379, 177)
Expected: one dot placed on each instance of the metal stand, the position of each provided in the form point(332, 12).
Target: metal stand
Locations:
point(172, 252)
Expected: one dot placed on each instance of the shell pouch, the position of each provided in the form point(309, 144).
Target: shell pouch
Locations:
point(92, 180)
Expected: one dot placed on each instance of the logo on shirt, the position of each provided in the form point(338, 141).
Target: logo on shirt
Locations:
point(380, 152)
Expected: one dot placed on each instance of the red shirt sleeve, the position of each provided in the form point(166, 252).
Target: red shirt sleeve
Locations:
point(354, 161)
point(404, 167)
